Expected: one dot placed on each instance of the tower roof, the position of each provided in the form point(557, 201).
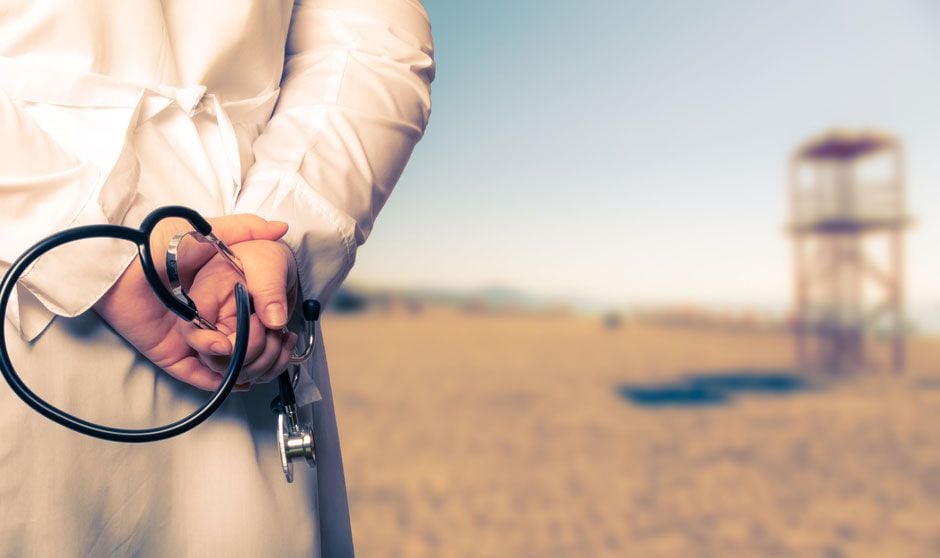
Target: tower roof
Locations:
point(842, 145)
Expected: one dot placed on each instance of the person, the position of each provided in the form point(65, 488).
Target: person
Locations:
point(288, 123)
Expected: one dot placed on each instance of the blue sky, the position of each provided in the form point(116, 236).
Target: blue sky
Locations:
point(632, 152)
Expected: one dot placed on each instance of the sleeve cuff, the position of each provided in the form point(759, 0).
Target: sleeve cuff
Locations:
point(49, 288)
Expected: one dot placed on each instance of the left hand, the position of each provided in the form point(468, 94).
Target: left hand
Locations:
point(134, 311)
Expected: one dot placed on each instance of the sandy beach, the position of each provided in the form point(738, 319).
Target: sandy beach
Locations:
point(479, 435)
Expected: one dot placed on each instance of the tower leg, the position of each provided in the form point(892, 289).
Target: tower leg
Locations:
point(897, 296)
point(853, 267)
point(800, 319)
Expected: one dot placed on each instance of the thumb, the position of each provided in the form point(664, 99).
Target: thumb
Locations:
point(270, 274)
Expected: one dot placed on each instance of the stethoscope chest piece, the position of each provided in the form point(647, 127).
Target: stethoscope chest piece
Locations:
point(294, 442)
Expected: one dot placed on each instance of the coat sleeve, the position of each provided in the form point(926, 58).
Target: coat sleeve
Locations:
point(354, 101)
point(45, 188)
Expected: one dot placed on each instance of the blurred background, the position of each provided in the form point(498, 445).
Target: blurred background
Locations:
point(595, 320)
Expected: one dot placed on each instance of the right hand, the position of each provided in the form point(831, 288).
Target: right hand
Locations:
point(134, 311)
point(271, 277)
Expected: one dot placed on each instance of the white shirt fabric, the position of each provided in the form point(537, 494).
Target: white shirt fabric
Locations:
point(304, 112)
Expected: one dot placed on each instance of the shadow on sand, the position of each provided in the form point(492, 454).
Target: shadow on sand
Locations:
point(714, 387)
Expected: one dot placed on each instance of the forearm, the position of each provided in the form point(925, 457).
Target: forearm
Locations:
point(355, 100)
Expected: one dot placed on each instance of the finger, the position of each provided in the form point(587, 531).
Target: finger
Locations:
point(194, 373)
point(258, 367)
point(217, 364)
point(205, 340)
point(268, 280)
point(230, 229)
point(233, 229)
point(283, 361)
point(257, 341)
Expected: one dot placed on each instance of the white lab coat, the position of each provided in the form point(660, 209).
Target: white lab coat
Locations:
point(111, 108)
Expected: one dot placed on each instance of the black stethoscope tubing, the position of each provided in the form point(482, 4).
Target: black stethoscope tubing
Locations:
point(140, 237)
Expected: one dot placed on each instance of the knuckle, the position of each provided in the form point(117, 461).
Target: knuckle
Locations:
point(269, 290)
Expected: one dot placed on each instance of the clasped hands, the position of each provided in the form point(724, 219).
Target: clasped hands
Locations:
point(199, 356)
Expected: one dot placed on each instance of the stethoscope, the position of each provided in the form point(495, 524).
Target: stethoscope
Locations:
point(294, 440)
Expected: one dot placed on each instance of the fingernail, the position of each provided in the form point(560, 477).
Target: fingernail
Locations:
point(220, 348)
point(275, 314)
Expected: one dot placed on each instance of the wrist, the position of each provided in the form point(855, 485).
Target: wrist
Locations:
point(293, 278)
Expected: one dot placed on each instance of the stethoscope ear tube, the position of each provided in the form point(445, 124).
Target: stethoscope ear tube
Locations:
point(242, 302)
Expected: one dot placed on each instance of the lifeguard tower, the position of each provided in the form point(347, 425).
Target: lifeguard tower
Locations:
point(847, 219)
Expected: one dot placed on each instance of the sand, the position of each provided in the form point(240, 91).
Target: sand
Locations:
point(511, 436)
